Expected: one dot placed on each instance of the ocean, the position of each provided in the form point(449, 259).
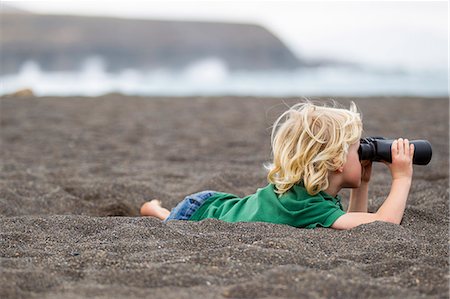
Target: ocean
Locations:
point(211, 77)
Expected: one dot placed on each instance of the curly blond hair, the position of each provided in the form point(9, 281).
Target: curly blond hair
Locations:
point(312, 141)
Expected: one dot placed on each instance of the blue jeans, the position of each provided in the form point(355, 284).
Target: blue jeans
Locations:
point(189, 205)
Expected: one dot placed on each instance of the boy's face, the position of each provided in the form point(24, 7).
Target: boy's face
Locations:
point(352, 168)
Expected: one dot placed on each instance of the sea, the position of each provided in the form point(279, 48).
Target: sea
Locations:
point(212, 77)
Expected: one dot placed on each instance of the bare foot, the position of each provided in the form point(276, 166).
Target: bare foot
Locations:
point(153, 208)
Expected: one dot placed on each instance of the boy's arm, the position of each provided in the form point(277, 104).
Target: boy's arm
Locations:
point(390, 211)
point(394, 206)
point(359, 196)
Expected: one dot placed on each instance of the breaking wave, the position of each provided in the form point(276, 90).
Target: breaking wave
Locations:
point(211, 76)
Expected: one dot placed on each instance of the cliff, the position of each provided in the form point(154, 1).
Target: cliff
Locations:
point(60, 42)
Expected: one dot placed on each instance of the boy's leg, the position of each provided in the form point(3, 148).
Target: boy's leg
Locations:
point(153, 208)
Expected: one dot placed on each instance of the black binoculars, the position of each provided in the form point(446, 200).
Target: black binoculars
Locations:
point(379, 149)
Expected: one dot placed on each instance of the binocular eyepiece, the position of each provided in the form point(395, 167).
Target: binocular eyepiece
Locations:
point(379, 149)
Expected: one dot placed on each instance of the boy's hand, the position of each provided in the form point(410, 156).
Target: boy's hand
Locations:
point(402, 157)
point(366, 170)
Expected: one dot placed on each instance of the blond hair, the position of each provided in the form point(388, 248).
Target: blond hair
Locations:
point(312, 141)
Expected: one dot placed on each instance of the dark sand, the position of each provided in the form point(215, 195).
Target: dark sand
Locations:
point(69, 163)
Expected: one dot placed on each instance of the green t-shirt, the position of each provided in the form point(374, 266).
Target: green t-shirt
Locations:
point(296, 207)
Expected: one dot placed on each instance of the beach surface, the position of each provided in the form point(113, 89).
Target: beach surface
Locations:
point(75, 171)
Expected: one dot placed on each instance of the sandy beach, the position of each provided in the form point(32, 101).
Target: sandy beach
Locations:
point(74, 172)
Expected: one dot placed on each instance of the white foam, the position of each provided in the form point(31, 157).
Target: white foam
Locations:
point(211, 76)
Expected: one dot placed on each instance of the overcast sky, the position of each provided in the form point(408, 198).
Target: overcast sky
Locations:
point(405, 34)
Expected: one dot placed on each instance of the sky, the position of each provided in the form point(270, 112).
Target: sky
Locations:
point(382, 34)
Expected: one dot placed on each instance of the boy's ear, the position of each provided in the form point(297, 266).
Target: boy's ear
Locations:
point(340, 169)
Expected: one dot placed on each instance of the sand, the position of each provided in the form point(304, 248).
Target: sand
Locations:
point(74, 172)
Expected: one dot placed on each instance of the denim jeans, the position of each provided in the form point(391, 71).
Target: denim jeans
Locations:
point(189, 205)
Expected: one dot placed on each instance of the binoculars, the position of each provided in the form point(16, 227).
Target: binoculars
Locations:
point(379, 149)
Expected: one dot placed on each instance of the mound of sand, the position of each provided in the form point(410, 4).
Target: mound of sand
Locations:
point(70, 166)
